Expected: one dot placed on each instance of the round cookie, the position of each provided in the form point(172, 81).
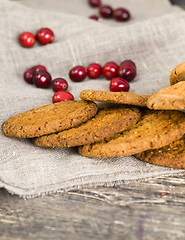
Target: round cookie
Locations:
point(115, 97)
point(155, 129)
point(172, 155)
point(177, 74)
point(49, 119)
point(106, 123)
point(169, 98)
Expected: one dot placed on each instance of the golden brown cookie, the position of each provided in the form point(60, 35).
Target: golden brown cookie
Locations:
point(115, 97)
point(49, 119)
point(169, 98)
point(177, 74)
point(106, 123)
point(172, 155)
point(155, 129)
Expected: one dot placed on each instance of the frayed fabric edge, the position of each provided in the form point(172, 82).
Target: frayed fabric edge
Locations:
point(116, 183)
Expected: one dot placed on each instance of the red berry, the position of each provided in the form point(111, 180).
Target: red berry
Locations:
point(121, 14)
point(94, 17)
point(128, 61)
point(94, 70)
point(119, 85)
point(59, 84)
point(95, 3)
point(77, 74)
point(27, 39)
point(110, 70)
point(42, 79)
point(39, 67)
point(28, 75)
point(127, 72)
point(62, 96)
point(45, 36)
point(106, 11)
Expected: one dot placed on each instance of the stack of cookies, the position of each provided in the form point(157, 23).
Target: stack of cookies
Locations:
point(150, 127)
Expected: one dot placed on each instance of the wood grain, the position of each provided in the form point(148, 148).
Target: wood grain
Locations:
point(140, 210)
point(147, 210)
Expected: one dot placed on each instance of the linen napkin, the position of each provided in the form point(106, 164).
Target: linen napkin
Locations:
point(153, 39)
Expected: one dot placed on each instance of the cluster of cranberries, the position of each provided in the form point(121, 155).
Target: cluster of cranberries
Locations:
point(120, 75)
point(106, 11)
point(41, 78)
point(43, 36)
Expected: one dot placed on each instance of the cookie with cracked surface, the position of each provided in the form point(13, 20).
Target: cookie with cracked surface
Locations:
point(105, 124)
point(172, 155)
point(155, 129)
point(115, 97)
point(49, 119)
point(177, 74)
point(169, 98)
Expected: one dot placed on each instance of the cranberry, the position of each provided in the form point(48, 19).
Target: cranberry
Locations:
point(39, 67)
point(95, 3)
point(94, 70)
point(106, 11)
point(27, 39)
point(59, 84)
point(110, 70)
point(28, 75)
point(77, 74)
point(94, 17)
point(127, 72)
point(128, 61)
point(119, 85)
point(45, 36)
point(121, 14)
point(42, 79)
point(62, 96)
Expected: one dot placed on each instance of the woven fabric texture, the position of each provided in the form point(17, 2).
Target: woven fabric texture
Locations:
point(153, 39)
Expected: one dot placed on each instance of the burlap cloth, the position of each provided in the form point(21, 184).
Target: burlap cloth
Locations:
point(154, 38)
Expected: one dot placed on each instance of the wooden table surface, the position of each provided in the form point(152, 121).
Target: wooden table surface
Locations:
point(152, 209)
